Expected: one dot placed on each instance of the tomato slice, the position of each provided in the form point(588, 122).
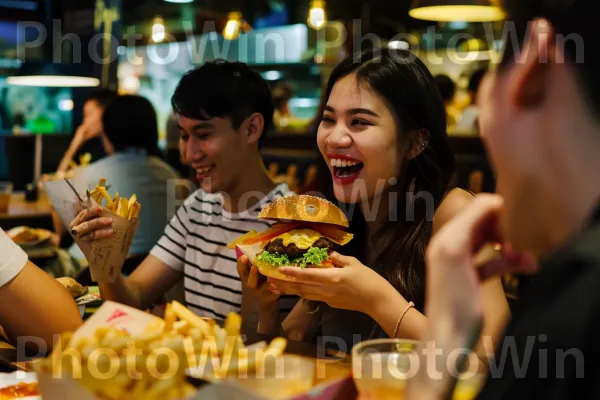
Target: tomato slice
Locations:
point(333, 232)
point(242, 239)
point(328, 263)
point(271, 232)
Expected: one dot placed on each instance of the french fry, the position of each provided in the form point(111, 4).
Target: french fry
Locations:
point(104, 194)
point(123, 208)
point(182, 328)
point(72, 164)
point(170, 318)
point(194, 320)
point(112, 205)
point(85, 159)
point(132, 201)
point(102, 182)
point(134, 211)
point(97, 195)
point(233, 324)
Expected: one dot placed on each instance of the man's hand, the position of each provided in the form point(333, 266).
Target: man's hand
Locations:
point(453, 294)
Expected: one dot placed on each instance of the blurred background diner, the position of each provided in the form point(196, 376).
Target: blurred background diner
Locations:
point(54, 115)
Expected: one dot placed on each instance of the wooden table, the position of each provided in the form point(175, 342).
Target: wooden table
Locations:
point(36, 214)
point(329, 366)
point(19, 208)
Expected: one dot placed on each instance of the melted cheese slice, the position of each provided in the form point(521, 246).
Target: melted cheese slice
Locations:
point(302, 238)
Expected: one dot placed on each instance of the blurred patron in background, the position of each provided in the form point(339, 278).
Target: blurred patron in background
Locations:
point(447, 89)
point(281, 97)
point(135, 167)
point(90, 136)
point(467, 123)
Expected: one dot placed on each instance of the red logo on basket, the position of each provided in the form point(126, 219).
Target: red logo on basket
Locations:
point(118, 313)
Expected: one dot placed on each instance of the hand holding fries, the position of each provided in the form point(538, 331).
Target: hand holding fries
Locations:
point(104, 230)
point(89, 221)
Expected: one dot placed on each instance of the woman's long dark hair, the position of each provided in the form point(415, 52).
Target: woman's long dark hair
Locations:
point(406, 84)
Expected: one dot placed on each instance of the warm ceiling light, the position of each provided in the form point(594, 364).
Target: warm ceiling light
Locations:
point(317, 18)
point(51, 75)
point(457, 10)
point(232, 28)
point(53, 81)
point(158, 30)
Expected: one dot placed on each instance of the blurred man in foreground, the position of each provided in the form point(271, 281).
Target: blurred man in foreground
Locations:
point(540, 117)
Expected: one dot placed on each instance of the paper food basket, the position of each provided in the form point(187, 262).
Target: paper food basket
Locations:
point(106, 256)
point(110, 314)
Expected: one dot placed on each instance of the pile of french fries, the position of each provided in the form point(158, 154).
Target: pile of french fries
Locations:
point(119, 205)
point(190, 341)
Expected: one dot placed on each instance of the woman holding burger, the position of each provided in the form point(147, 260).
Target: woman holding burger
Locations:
point(383, 138)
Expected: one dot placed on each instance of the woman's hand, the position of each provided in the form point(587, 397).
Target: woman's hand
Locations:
point(351, 286)
point(258, 286)
point(89, 226)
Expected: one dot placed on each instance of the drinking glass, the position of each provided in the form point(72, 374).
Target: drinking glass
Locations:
point(6, 189)
point(383, 367)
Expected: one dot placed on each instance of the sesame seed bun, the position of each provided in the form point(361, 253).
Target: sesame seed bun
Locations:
point(304, 208)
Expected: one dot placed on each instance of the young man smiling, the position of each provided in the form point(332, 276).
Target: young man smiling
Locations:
point(224, 110)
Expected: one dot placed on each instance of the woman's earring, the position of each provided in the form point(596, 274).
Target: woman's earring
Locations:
point(424, 138)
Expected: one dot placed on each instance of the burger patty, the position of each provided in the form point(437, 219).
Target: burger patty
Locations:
point(276, 246)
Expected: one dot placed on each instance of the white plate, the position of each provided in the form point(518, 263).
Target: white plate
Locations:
point(17, 377)
point(43, 236)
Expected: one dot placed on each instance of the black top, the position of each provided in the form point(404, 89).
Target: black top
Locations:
point(555, 330)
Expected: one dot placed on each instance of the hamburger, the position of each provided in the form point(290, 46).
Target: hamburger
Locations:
point(306, 230)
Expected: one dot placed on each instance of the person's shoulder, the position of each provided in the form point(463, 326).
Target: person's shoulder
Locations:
point(97, 169)
point(101, 162)
point(453, 203)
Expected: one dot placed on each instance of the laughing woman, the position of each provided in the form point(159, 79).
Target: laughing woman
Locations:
point(383, 136)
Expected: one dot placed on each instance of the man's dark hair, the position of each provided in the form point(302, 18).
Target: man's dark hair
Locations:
point(130, 123)
point(446, 86)
point(575, 22)
point(224, 89)
point(475, 81)
point(102, 96)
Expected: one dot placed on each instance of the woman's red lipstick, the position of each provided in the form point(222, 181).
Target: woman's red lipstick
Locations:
point(345, 175)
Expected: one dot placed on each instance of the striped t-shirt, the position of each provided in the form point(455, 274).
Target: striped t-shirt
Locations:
point(194, 242)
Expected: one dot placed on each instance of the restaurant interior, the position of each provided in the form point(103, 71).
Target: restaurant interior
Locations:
point(150, 44)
